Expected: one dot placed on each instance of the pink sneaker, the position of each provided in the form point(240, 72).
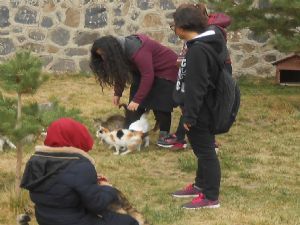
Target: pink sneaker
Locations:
point(187, 192)
point(179, 145)
point(201, 202)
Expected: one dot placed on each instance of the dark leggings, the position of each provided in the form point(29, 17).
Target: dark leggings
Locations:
point(164, 120)
point(208, 174)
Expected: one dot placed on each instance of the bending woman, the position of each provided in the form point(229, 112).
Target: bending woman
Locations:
point(149, 67)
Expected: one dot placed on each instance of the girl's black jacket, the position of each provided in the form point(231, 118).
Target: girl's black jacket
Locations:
point(197, 75)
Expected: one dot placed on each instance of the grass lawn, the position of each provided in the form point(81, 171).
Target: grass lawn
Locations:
point(260, 159)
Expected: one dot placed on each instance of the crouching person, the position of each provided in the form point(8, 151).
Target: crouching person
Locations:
point(62, 180)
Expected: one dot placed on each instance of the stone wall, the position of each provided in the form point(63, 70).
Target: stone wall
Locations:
point(61, 32)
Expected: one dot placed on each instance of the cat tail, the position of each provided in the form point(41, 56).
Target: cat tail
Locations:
point(131, 210)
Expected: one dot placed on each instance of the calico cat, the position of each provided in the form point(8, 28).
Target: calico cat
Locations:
point(121, 139)
point(117, 121)
point(123, 206)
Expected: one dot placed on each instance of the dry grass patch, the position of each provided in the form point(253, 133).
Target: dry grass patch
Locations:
point(259, 159)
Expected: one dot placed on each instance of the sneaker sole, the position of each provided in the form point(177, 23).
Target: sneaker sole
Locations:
point(178, 148)
point(185, 196)
point(204, 207)
point(165, 146)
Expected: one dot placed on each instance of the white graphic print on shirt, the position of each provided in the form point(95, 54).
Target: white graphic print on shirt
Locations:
point(181, 75)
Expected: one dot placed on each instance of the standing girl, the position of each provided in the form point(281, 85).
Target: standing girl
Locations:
point(198, 73)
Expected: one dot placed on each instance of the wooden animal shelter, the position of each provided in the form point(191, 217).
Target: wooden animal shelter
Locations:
point(288, 70)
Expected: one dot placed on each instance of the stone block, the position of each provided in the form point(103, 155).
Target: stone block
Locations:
point(145, 4)
point(152, 20)
point(6, 46)
point(17, 29)
point(156, 35)
point(167, 4)
point(238, 58)
point(85, 38)
point(46, 59)
point(95, 17)
point(60, 16)
point(84, 66)
point(21, 39)
point(249, 62)
point(34, 47)
point(4, 16)
point(119, 23)
point(52, 49)
point(26, 15)
point(60, 36)
point(37, 35)
point(270, 58)
point(131, 28)
point(76, 52)
point(49, 6)
point(72, 17)
point(47, 22)
point(15, 3)
point(63, 65)
point(4, 32)
point(134, 15)
point(247, 47)
point(122, 8)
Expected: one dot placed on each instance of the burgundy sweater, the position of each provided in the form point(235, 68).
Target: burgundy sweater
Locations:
point(152, 60)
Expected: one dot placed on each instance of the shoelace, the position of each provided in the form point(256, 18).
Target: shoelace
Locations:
point(199, 198)
point(170, 136)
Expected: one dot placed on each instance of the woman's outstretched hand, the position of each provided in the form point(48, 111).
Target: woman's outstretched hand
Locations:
point(133, 106)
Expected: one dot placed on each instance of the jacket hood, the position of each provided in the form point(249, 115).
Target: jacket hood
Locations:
point(43, 168)
point(213, 37)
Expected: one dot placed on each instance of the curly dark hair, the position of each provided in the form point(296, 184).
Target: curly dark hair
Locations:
point(191, 17)
point(109, 62)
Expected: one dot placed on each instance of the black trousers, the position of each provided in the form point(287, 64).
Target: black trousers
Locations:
point(159, 100)
point(208, 175)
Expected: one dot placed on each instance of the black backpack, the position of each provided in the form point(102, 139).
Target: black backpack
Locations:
point(225, 101)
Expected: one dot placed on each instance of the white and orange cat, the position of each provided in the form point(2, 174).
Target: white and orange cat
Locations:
point(121, 139)
point(129, 139)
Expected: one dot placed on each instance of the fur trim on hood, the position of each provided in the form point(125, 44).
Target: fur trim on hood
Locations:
point(70, 150)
